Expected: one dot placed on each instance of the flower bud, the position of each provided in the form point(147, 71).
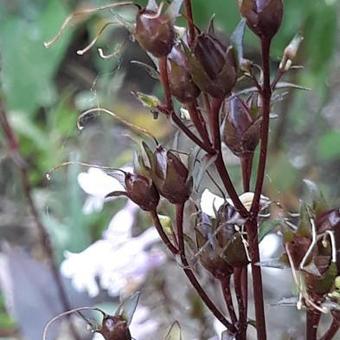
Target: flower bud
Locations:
point(290, 52)
point(263, 16)
point(115, 328)
point(181, 84)
point(142, 191)
point(241, 131)
point(154, 32)
point(169, 174)
point(212, 65)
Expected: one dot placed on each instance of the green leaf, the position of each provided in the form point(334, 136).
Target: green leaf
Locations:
point(237, 39)
point(148, 101)
point(315, 198)
point(267, 227)
point(326, 148)
point(28, 68)
point(175, 332)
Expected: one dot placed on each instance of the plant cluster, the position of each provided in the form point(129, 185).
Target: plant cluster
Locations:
point(204, 75)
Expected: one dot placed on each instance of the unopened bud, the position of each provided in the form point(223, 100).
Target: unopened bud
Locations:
point(155, 32)
point(181, 84)
point(290, 52)
point(263, 16)
point(212, 65)
point(115, 328)
point(142, 191)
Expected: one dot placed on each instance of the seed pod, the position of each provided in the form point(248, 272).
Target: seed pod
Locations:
point(241, 131)
point(154, 32)
point(139, 189)
point(212, 65)
point(142, 191)
point(182, 85)
point(115, 328)
point(169, 174)
point(210, 253)
point(263, 16)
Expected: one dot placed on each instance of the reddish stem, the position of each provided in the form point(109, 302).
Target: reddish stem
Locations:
point(163, 71)
point(246, 165)
point(332, 330)
point(252, 224)
point(225, 285)
point(313, 319)
point(190, 275)
point(191, 26)
point(198, 120)
point(242, 300)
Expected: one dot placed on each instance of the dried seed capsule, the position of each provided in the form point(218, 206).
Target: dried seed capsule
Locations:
point(263, 16)
point(212, 65)
point(182, 85)
point(154, 32)
point(241, 130)
point(142, 191)
point(115, 328)
point(169, 174)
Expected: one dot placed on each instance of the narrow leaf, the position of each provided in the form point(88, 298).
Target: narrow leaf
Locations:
point(267, 227)
point(152, 72)
point(175, 332)
point(128, 307)
point(237, 39)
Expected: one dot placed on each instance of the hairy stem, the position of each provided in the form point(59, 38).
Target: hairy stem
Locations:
point(43, 235)
point(190, 275)
point(246, 166)
point(312, 322)
point(198, 121)
point(332, 330)
point(242, 299)
point(252, 224)
point(189, 16)
point(225, 285)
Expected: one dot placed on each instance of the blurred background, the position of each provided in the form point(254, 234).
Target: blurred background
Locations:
point(45, 90)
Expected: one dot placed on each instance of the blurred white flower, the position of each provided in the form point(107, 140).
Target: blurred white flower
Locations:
point(211, 202)
point(118, 263)
point(141, 327)
point(97, 184)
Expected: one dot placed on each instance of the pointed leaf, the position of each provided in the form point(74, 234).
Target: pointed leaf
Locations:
point(267, 227)
point(175, 332)
point(152, 72)
point(237, 39)
point(286, 85)
point(152, 5)
point(174, 8)
point(128, 307)
point(147, 100)
point(315, 197)
point(286, 302)
point(273, 263)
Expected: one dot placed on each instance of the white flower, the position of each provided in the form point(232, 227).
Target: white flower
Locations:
point(118, 263)
point(141, 327)
point(211, 202)
point(97, 184)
